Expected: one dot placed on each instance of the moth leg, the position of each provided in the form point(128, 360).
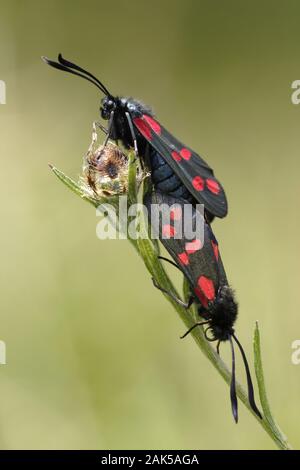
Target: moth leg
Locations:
point(191, 299)
point(199, 323)
point(170, 294)
point(110, 126)
point(169, 261)
point(133, 136)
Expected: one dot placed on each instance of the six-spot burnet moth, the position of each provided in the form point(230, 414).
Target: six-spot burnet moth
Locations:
point(200, 261)
point(175, 168)
point(178, 175)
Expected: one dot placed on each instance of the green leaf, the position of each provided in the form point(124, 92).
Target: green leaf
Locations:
point(186, 289)
point(276, 431)
point(71, 184)
point(149, 253)
point(132, 186)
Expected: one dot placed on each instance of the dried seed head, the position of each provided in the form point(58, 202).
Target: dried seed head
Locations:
point(105, 170)
point(107, 161)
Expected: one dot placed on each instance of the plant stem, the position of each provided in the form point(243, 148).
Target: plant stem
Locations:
point(272, 427)
point(147, 249)
point(187, 317)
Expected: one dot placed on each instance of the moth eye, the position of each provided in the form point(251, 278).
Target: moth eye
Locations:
point(130, 106)
point(110, 104)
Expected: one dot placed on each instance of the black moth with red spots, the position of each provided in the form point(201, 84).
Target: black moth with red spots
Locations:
point(175, 168)
point(200, 261)
point(179, 175)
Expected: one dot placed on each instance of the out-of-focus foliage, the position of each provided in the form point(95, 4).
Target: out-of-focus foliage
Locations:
point(93, 355)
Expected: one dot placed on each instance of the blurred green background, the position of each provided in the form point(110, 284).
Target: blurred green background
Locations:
point(94, 358)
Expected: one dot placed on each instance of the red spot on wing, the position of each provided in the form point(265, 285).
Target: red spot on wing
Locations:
point(143, 128)
point(168, 231)
point(176, 156)
point(183, 258)
point(216, 249)
point(152, 123)
point(198, 183)
point(185, 153)
point(207, 287)
point(201, 297)
point(175, 213)
point(213, 186)
point(193, 246)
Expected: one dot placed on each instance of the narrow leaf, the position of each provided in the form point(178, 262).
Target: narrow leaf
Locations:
point(71, 184)
point(268, 416)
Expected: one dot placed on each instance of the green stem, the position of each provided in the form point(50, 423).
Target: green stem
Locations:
point(147, 249)
point(272, 427)
point(160, 275)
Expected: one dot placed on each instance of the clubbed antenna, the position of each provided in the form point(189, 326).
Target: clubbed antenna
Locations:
point(249, 380)
point(67, 66)
point(233, 397)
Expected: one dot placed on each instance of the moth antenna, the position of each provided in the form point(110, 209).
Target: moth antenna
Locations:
point(233, 397)
point(249, 380)
point(71, 65)
point(61, 66)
